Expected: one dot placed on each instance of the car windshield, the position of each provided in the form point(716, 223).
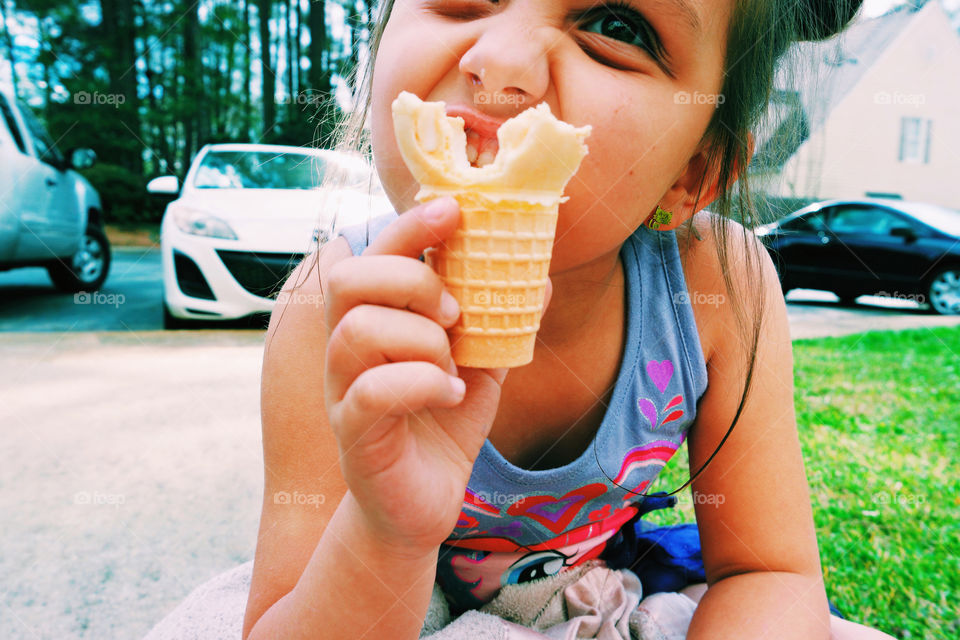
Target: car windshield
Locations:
point(939, 217)
point(259, 170)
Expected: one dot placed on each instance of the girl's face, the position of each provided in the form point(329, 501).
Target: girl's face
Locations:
point(645, 74)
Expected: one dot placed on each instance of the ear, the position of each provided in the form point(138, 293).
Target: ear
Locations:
point(681, 199)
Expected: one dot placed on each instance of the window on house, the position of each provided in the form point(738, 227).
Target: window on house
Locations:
point(915, 140)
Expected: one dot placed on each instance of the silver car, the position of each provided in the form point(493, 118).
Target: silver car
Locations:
point(50, 216)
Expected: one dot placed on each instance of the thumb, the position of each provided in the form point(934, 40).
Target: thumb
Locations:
point(500, 374)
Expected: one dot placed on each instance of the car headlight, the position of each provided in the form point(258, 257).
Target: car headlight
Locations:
point(199, 223)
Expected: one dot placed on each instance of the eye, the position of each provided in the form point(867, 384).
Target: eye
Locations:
point(534, 566)
point(623, 23)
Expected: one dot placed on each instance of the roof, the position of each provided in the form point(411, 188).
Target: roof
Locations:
point(814, 77)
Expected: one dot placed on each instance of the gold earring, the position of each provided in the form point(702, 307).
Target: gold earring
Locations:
point(660, 218)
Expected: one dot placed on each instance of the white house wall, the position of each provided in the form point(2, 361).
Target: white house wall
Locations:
point(857, 151)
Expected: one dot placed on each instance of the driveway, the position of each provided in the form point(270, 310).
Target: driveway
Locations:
point(130, 301)
point(132, 472)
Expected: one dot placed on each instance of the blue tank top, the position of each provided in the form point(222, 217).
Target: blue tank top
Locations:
point(518, 525)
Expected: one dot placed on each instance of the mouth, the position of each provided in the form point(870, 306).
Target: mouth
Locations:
point(481, 131)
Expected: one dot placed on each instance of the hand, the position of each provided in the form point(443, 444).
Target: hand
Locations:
point(408, 441)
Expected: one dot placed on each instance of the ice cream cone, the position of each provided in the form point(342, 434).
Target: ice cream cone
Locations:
point(497, 261)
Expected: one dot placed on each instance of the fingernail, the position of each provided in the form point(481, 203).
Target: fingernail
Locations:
point(440, 207)
point(458, 386)
point(449, 306)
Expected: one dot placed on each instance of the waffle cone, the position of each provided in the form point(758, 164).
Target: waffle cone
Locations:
point(497, 261)
point(496, 266)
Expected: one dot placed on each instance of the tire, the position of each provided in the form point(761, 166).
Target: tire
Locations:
point(88, 268)
point(943, 291)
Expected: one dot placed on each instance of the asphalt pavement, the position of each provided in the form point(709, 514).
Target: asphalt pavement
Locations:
point(132, 463)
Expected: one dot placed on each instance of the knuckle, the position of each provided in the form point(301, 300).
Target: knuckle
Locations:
point(355, 325)
point(366, 392)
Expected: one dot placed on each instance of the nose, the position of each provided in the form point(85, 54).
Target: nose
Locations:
point(508, 65)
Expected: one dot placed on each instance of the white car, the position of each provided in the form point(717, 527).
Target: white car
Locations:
point(50, 216)
point(245, 217)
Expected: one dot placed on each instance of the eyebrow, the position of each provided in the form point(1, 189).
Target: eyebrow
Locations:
point(684, 9)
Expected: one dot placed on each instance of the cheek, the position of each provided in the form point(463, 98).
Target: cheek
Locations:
point(406, 61)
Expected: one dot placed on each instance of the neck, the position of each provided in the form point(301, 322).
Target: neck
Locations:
point(581, 298)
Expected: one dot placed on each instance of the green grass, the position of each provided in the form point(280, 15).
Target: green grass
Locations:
point(878, 419)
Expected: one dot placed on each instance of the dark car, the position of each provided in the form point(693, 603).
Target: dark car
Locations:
point(907, 250)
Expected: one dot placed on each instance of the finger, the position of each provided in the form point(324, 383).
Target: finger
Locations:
point(388, 281)
point(391, 390)
point(413, 231)
point(370, 336)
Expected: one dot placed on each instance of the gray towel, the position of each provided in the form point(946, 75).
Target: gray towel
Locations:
point(589, 601)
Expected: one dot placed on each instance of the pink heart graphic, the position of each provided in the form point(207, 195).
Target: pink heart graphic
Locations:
point(660, 373)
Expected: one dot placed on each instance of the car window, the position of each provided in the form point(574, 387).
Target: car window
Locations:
point(46, 150)
point(810, 223)
point(869, 220)
point(12, 124)
point(259, 170)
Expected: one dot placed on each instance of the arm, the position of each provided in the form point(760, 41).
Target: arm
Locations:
point(353, 587)
point(306, 581)
point(759, 543)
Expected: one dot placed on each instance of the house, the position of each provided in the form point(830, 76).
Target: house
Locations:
point(873, 112)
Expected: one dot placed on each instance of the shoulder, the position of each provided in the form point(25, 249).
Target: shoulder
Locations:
point(729, 274)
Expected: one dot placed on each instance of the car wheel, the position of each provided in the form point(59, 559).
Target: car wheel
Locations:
point(943, 292)
point(88, 268)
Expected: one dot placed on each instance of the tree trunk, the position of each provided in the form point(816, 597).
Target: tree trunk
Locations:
point(317, 77)
point(8, 42)
point(299, 67)
point(119, 31)
point(192, 75)
point(291, 62)
point(247, 120)
point(269, 79)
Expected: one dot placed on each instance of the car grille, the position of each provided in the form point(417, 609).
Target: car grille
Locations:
point(262, 274)
point(190, 279)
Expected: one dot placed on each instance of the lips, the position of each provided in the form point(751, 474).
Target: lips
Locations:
point(481, 130)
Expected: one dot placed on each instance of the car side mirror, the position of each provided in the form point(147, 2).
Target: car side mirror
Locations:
point(169, 185)
point(82, 158)
point(906, 233)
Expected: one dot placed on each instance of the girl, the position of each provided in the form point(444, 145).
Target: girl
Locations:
point(664, 323)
